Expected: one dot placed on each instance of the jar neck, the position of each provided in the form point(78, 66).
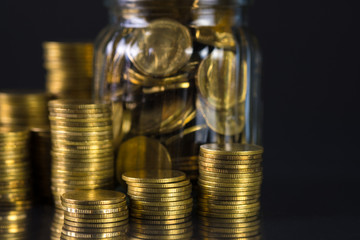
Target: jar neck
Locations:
point(221, 16)
point(138, 13)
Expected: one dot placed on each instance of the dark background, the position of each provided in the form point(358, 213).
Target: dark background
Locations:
point(310, 82)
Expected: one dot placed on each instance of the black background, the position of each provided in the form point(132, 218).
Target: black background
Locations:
point(310, 82)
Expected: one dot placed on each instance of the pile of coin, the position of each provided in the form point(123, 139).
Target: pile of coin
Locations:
point(82, 148)
point(160, 204)
point(23, 108)
point(40, 146)
point(94, 214)
point(69, 69)
point(229, 191)
point(15, 187)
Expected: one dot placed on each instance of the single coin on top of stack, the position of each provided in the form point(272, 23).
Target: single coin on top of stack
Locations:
point(20, 108)
point(69, 69)
point(15, 187)
point(160, 204)
point(94, 214)
point(229, 191)
point(40, 146)
point(82, 147)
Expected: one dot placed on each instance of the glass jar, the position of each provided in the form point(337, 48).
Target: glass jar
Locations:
point(179, 74)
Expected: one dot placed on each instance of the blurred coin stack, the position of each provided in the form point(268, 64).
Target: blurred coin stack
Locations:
point(41, 162)
point(14, 224)
point(229, 191)
point(160, 204)
point(15, 187)
point(94, 214)
point(82, 150)
point(69, 69)
point(57, 224)
point(23, 108)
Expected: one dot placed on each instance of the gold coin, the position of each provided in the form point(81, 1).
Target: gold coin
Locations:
point(141, 153)
point(213, 36)
point(223, 165)
point(217, 82)
point(215, 184)
point(149, 81)
point(229, 230)
point(186, 201)
point(233, 159)
point(159, 222)
point(159, 195)
point(233, 149)
point(77, 104)
point(222, 121)
point(229, 207)
point(91, 235)
point(161, 226)
point(160, 199)
point(243, 180)
point(207, 188)
point(163, 231)
point(159, 217)
point(218, 224)
point(96, 230)
point(162, 208)
point(163, 237)
point(230, 198)
point(104, 129)
point(212, 220)
point(96, 220)
point(230, 175)
point(95, 211)
point(228, 215)
point(97, 225)
point(97, 215)
point(162, 213)
point(160, 190)
point(158, 185)
point(82, 118)
point(93, 197)
point(154, 176)
point(230, 235)
point(171, 46)
point(230, 171)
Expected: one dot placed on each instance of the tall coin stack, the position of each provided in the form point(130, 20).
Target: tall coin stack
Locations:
point(41, 160)
point(94, 214)
point(82, 148)
point(15, 187)
point(229, 191)
point(69, 69)
point(160, 204)
point(14, 183)
point(24, 108)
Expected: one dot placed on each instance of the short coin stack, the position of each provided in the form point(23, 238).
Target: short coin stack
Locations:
point(69, 69)
point(82, 150)
point(160, 204)
point(15, 187)
point(40, 146)
point(229, 191)
point(23, 108)
point(94, 214)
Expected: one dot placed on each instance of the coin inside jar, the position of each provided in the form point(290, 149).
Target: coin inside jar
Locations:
point(160, 49)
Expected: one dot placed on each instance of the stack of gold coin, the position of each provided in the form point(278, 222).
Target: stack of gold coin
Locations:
point(14, 224)
point(94, 214)
point(57, 224)
point(82, 148)
point(40, 146)
point(160, 204)
point(15, 187)
point(229, 191)
point(69, 69)
point(23, 108)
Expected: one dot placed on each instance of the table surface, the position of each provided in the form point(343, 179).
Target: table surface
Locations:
point(273, 228)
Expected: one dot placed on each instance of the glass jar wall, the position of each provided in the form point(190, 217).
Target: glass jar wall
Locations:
point(179, 74)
